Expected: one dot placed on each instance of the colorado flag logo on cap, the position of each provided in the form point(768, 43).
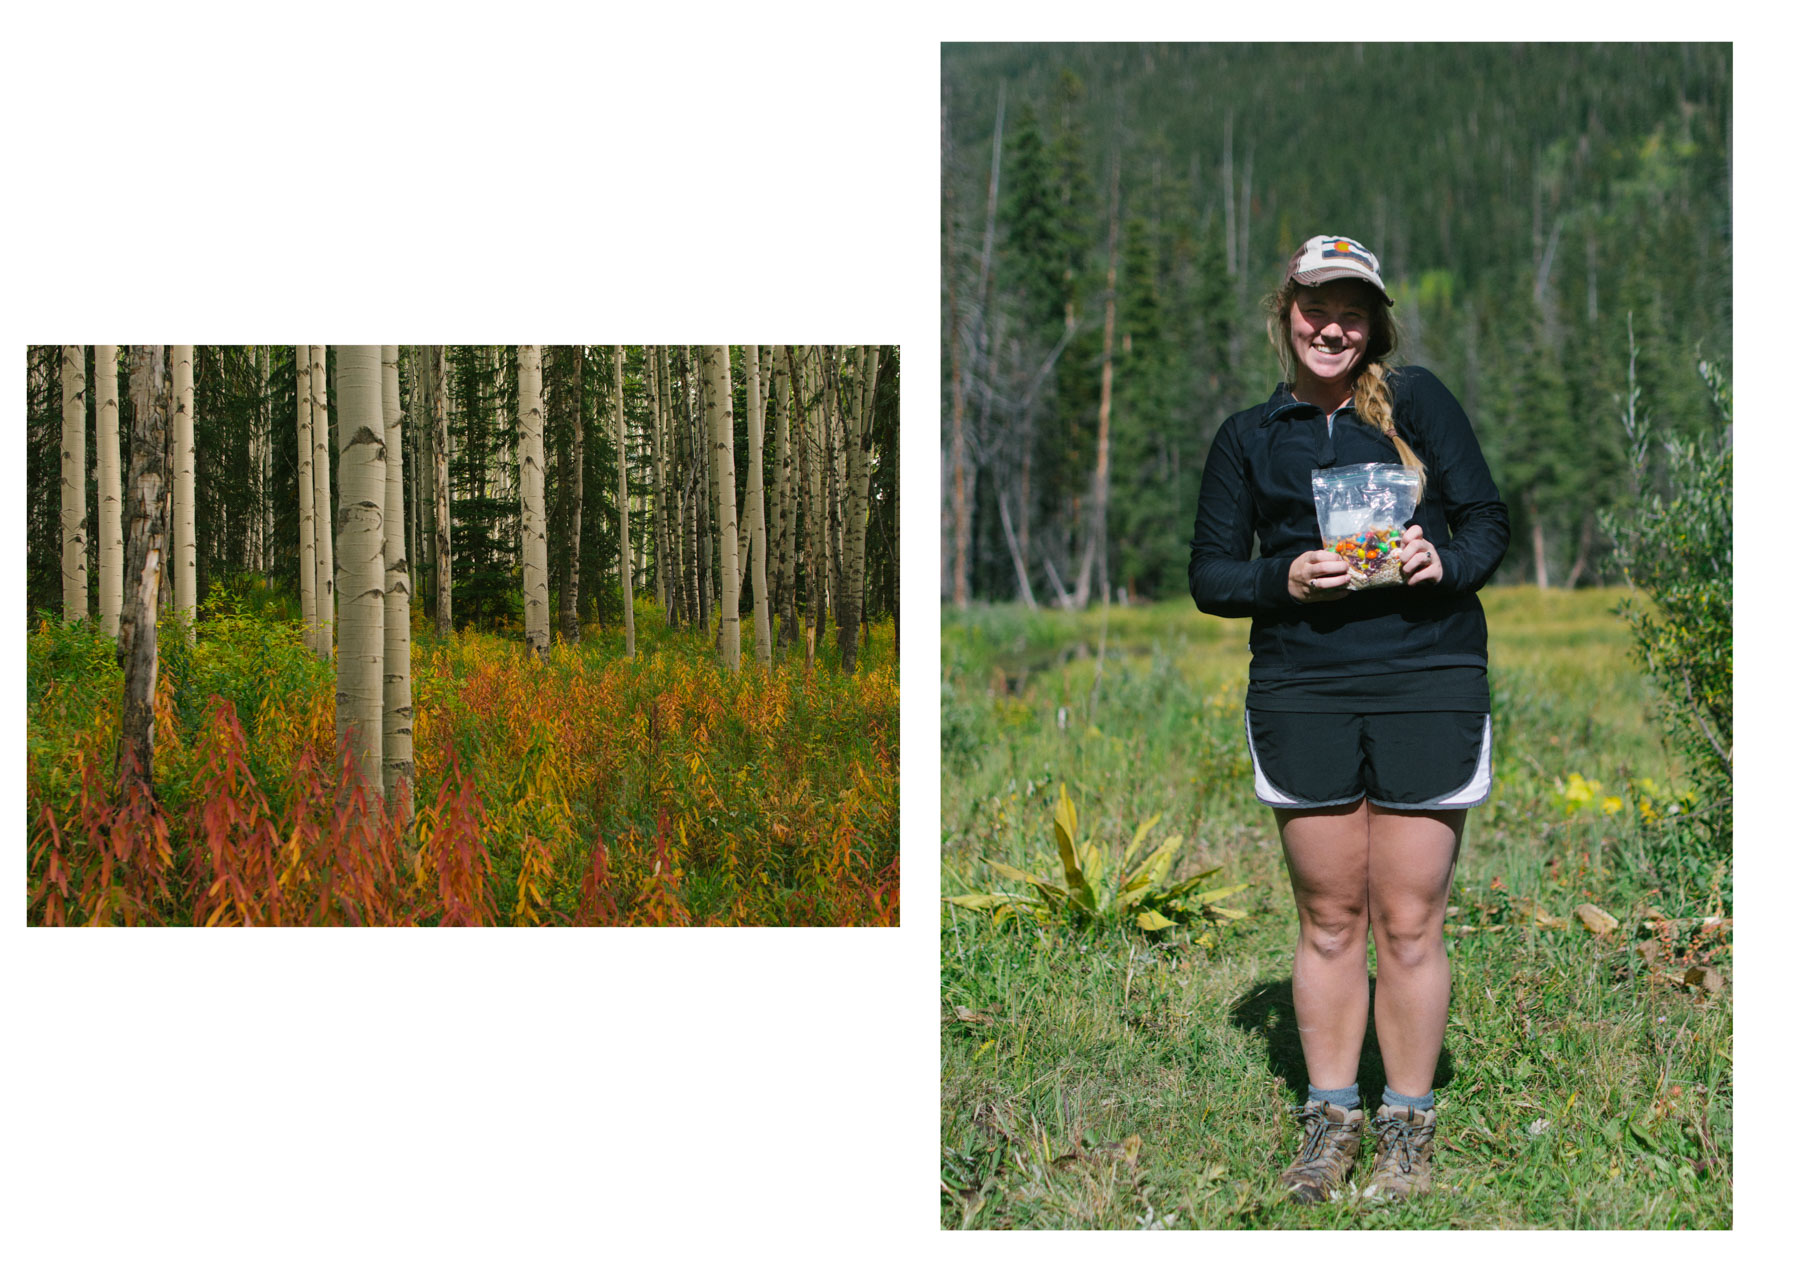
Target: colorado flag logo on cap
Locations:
point(1339, 248)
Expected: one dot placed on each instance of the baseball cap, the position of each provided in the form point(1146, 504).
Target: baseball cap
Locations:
point(1328, 256)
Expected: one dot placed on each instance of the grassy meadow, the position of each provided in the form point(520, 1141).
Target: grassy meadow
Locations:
point(591, 789)
point(1095, 1076)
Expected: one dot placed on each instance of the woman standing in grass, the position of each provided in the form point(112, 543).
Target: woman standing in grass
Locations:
point(1367, 711)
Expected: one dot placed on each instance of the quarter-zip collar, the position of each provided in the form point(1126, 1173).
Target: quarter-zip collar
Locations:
point(1283, 405)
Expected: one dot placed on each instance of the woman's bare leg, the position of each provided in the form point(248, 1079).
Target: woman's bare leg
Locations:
point(1328, 862)
point(1412, 857)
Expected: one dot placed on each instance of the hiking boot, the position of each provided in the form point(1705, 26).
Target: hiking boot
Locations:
point(1328, 1148)
point(1403, 1152)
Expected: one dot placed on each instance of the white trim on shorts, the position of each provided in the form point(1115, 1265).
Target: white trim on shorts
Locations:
point(1274, 798)
point(1476, 789)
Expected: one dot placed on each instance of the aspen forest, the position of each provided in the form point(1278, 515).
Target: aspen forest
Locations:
point(453, 635)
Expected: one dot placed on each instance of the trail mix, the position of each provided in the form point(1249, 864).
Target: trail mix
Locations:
point(1373, 556)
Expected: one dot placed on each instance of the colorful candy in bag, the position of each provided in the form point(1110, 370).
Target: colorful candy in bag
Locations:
point(1362, 510)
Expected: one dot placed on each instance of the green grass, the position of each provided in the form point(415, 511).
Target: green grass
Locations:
point(1094, 1078)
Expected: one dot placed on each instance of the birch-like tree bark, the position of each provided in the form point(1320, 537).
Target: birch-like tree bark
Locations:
point(361, 565)
point(185, 549)
point(857, 440)
point(396, 656)
point(418, 446)
point(145, 548)
point(809, 430)
point(707, 500)
point(265, 539)
point(440, 458)
point(309, 576)
point(718, 378)
point(618, 405)
point(680, 537)
point(659, 504)
point(753, 507)
point(531, 483)
point(74, 484)
point(106, 440)
point(833, 462)
point(324, 593)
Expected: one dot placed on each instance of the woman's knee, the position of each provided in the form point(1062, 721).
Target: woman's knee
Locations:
point(1409, 937)
point(1334, 930)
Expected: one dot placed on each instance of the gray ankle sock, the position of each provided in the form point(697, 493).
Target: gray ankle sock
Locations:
point(1349, 1097)
point(1417, 1103)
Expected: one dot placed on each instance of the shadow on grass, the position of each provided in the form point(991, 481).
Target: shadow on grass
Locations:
point(1266, 1010)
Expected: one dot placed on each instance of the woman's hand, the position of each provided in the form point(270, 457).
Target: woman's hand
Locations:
point(1419, 561)
point(1321, 575)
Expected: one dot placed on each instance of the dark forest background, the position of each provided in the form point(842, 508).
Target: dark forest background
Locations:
point(1551, 220)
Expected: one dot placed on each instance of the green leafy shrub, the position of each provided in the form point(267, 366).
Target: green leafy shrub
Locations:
point(1674, 545)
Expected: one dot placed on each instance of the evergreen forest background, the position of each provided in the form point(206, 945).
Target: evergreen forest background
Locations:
point(1540, 211)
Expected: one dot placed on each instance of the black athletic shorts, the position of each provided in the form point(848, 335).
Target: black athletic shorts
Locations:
point(1399, 759)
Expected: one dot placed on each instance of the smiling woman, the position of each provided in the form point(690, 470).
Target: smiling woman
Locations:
point(1367, 710)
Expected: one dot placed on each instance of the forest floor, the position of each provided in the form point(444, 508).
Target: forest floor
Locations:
point(590, 789)
point(1094, 1077)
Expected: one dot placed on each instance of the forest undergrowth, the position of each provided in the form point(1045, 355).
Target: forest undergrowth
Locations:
point(590, 789)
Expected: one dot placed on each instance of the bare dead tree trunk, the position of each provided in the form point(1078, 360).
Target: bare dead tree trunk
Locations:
point(1096, 550)
point(959, 480)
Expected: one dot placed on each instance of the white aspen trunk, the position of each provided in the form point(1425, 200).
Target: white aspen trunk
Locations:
point(687, 549)
point(832, 480)
point(74, 484)
point(531, 482)
point(680, 546)
point(856, 532)
point(813, 456)
point(753, 506)
point(144, 550)
point(707, 510)
point(166, 588)
point(419, 447)
point(324, 590)
point(106, 441)
point(309, 579)
point(504, 476)
point(672, 482)
point(618, 403)
point(440, 459)
point(718, 376)
point(659, 550)
point(185, 549)
point(396, 655)
point(362, 497)
point(265, 539)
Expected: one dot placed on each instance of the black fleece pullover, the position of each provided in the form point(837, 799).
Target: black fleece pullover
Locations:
point(1257, 489)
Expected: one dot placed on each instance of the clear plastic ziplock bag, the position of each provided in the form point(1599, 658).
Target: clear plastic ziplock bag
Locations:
point(1362, 510)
